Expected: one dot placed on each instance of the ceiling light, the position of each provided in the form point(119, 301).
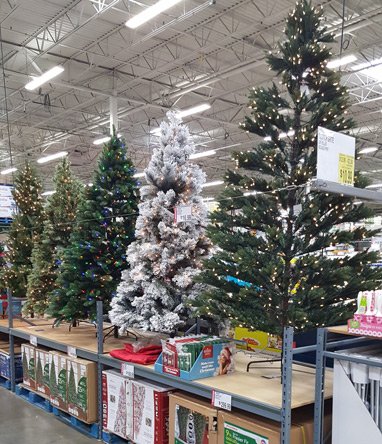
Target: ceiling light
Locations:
point(104, 139)
point(208, 199)
point(281, 136)
point(52, 157)
point(45, 77)
point(156, 132)
point(8, 171)
point(358, 202)
point(194, 110)
point(90, 184)
point(375, 185)
point(213, 183)
point(137, 175)
point(250, 193)
point(372, 69)
point(341, 61)
point(203, 154)
point(368, 150)
point(47, 193)
point(150, 12)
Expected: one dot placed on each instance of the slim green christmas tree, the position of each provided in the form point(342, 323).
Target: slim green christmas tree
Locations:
point(53, 380)
point(61, 210)
point(270, 270)
point(39, 372)
point(96, 255)
point(25, 230)
point(72, 392)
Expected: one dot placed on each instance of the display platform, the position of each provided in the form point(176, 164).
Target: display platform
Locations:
point(343, 330)
point(20, 322)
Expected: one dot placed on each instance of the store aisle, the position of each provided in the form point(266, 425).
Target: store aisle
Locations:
point(21, 422)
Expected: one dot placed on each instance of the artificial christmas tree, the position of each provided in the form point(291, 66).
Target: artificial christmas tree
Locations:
point(270, 270)
point(167, 255)
point(61, 211)
point(92, 262)
point(25, 230)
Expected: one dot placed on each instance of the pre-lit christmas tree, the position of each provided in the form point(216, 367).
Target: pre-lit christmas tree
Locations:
point(96, 255)
point(271, 270)
point(155, 290)
point(25, 230)
point(72, 392)
point(61, 211)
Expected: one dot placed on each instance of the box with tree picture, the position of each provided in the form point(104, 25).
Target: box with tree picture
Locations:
point(28, 353)
point(58, 380)
point(82, 389)
point(42, 371)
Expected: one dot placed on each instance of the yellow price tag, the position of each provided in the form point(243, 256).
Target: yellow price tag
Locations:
point(346, 169)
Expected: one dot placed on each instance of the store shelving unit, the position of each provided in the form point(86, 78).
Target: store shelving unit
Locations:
point(280, 413)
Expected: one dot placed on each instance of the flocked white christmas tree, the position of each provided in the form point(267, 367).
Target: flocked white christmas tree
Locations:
point(155, 290)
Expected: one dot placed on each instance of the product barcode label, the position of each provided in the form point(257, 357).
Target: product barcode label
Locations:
point(221, 400)
point(72, 351)
point(33, 340)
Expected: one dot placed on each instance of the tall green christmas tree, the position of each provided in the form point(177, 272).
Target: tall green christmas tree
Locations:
point(96, 255)
point(61, 210)
point(271, 270)
point(25, 230)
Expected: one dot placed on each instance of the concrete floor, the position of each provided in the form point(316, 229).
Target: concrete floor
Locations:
point(21, 422)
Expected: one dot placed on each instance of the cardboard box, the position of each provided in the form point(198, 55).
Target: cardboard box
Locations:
point(258, 340)
point(239, 427)
point(82, 389)
point(192, 420)
point(28, 353)
point(42, 371)
point(5, 363)
point(58, 380)
point(150, 413)
point(117, 404)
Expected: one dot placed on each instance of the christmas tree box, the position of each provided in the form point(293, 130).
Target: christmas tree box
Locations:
point(117, 404)
point(58, 380)
point(42, 371)
point(5, 363)
point(150, 413)
point(28, 356)
point(240, 427)
point(255, 340)
point(82, 389)
point(192, 420)
point(196, 357)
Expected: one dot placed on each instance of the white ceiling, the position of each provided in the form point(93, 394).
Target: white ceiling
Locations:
point(200, 51)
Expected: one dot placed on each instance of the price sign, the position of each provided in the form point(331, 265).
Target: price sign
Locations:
point(127, 370)
point(33, 340)
point(182, 213)
point(221, 400)
point(346, 169)
point(72, 352)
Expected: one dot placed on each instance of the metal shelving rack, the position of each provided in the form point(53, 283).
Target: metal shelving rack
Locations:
point(281, 415)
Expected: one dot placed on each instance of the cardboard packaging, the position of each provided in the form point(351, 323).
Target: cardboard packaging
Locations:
point(82, 389)
point(117, 404)
point(238, 427)
point(254, 340)
point(150, 413)
point(192, 420)
point(5, 363)
point(58, 380)
point(28, 353)
point(42, 371)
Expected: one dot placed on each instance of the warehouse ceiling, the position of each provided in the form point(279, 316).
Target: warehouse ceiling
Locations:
point(197, 52)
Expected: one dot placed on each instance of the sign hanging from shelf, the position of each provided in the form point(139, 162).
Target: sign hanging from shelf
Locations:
point(335, 157)
point(33, 340)
point(221, 400)
point(72, 351)
point(127, 370)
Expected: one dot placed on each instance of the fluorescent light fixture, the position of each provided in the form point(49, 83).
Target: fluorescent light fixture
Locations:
point(45, 77)
point(214, 183)
point(375, 185)
point(194, 110)
point(103, 140)
point(90, 184)
point(208, 199)
point(336, 63)
point(281, 136)
point(156, 132)
point(368, 150)
point(47, 193)
point(150, 12)
point(203, 154)
point(8, 171)
point(52, 157)
point(250, 193)
point(372, 69)
point(137, 175)
point(358, 202)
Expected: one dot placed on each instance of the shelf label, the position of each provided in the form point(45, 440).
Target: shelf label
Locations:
point(33, 340)
point(72, 351)
point(182, 213)
point(221, 400)
point(127, 370)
